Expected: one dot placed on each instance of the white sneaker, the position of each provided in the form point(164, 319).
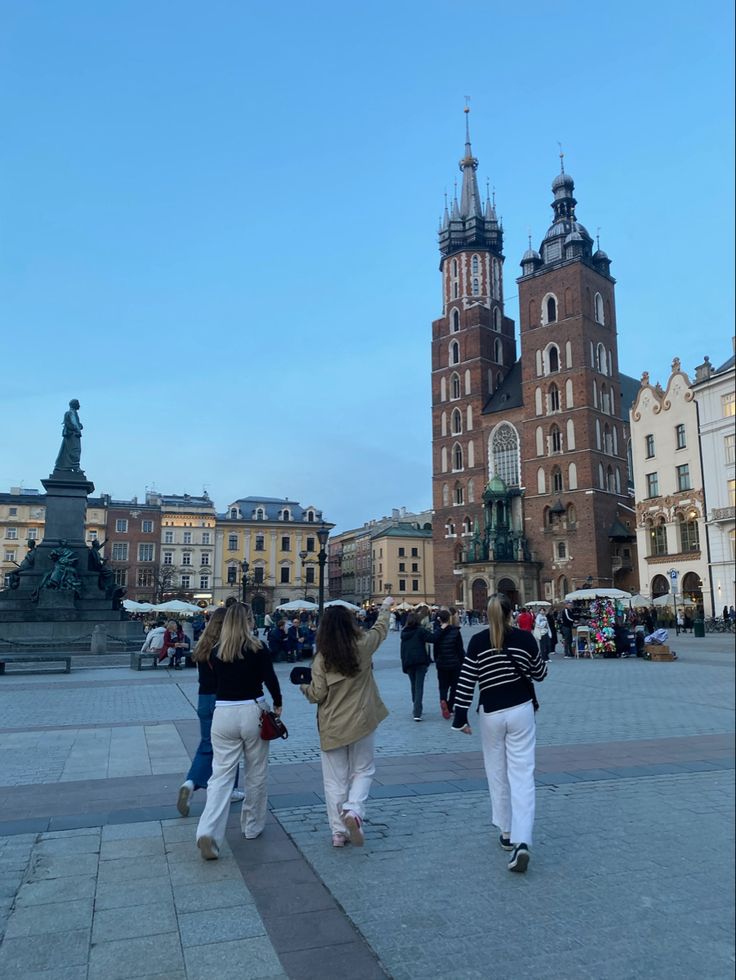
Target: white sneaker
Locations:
point(209, 849)
point(237, 795)
point(185, 792)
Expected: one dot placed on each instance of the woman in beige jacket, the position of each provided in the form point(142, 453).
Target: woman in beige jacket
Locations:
point(349, 709)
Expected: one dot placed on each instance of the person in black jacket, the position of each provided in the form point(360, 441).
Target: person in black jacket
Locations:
point(415, 658)
point(503, 661)
point(448, 656)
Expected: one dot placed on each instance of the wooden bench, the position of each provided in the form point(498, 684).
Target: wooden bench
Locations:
point(139, 656)
point(50, 660)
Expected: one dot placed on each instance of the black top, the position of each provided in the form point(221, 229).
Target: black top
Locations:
point(243, 679)
point(414, 641)
point(448, 648)
point(495, 674)
point(207, 680)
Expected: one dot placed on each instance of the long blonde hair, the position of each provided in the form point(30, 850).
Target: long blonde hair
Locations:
point(237, 632)
point(210, 636)
point(499, 619)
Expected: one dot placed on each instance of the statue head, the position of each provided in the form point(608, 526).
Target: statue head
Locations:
point(74, 404)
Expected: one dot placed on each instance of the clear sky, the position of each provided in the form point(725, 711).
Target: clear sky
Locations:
point(218, 220)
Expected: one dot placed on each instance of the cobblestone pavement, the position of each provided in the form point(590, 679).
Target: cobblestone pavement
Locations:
point(631, 872)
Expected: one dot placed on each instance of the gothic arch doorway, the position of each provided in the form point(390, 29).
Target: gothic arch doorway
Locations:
point(509, 589)
point(692, 587)
point(660, 586)
point(480, 596)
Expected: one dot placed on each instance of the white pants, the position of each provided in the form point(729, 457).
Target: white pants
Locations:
point(508, 738)
point(347, 773)
point(234, 730)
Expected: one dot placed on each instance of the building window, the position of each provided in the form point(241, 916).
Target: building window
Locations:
point(205, 558)
point(504, 452)
point(555, 440)
point(310, 544)
point(474, 265)
point(285, 543)
point(168, 558)
point(459, 494)
point(284, 576)
point(680, 439)
point(120, 576)
point(121, 526)
point(649, 443)
point(12, 511)
point(553, 359)
point(187, 537)
point(402, 566)
point(147, 527)
point(415, 552)
point(729, 451)
point(204, 581)
point(232, 542)
point(549, 310)
point(553, 399)
point(728, 404)
point(402, 552)
point(145, 552)
point(455, 386)
point(144, 578)
point(10, 555)
point(557, 480)
point(476, 287)
point(186, 558)
point(168, 537)
point(11, 533)
point(260, 544)
point(233, 515)
point(120, 551)
point(185, 581)
point(599, 317)
point(454, 352)
point(659, 538)
point(457, 422)
point(652, 485)
point(402, 585)
point(415, 585)
point(689, 535)
point(457, 457)
point(258, 575)
point(561, 550)
point(683, 477)
point(32, 534)
point(732, 493)
point(232, 573)
point(206, 537)
point(415, 564)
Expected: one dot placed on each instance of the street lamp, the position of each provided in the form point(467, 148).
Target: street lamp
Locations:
point(303, 555)
point(323, 533)
point(244, 579)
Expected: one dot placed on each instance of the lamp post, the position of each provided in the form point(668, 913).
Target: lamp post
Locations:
point(244, 579)
point(303, 555)
point(323, 533)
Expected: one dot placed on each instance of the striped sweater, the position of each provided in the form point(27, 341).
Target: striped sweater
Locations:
point(492, 670)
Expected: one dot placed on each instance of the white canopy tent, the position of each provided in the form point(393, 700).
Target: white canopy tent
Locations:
point(297, 604)
point(597, 594)
point(176, 606)
point(669, 600)
point(639, 601)
point(538, 604)
point(344, 603)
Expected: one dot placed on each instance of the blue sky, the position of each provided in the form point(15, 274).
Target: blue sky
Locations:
point(218, 221)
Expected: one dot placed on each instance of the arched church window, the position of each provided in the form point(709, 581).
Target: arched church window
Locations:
point(599, 313)
point(550, 309)
point(572, 517)
point(496, 319)
point(601, 361)
point(572, 476)
point(553, 399)
point(467, 526)
point(553, 359)
point(475, 264)
point(457, 456)
point(476, 286)
point(557, 480)
point(455, 386)
point(497, 351)
point(455, 321)
point(457, 422)
point(504, 454)
point(541, 486)
point(459, 494)
point(555, 440)
point(445, 495)
point(454, 352)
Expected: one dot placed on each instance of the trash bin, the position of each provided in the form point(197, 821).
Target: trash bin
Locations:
point(698, 627)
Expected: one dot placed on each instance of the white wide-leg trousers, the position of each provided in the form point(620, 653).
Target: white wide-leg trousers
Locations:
point(508, 738)
point(236, 729)
point(347, 773)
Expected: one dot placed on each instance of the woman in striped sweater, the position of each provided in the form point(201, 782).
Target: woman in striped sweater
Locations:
point(503, 661)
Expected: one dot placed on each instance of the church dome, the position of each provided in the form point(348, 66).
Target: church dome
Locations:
point(531, 255)
point(600, 256)
point(563, 181)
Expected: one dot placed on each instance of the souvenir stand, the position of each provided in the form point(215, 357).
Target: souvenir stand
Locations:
point(597, 638)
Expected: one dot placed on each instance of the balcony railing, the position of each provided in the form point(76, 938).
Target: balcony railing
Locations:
point(723, 514)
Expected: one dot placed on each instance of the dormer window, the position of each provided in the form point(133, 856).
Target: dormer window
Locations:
point(260, 514)
point(310, 516)
point(233, 512)
point(286, 514)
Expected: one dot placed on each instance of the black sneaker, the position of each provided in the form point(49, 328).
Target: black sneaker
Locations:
point(505, 843)
point(519, 859)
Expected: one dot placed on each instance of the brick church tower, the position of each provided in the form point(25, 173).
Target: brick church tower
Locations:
point(530, 478)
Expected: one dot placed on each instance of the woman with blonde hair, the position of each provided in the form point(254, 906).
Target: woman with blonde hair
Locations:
point(503, 660)
point(349, 709)
point(201, 767)
point(242, 666)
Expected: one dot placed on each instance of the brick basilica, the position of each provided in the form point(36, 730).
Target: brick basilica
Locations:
point(531, 475)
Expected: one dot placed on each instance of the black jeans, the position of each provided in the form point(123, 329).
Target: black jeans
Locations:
point(416, 679)
point(567, 640)
point(447, 678)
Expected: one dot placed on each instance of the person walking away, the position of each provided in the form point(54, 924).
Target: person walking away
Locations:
point(503, 661)
point(349, 709)
point(154, 641)
point(541, 634)
point(552, 623)
point(415, 658)
point(242, 667)
point(448, 656)
point(201, 767)
point(293, 642)
point(525, 620)
point(567, 622)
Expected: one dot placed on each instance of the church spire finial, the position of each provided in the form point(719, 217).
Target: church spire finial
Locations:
point(562, 158)
point(470, 205)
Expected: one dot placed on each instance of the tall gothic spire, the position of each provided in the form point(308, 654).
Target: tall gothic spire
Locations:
point(470, 198)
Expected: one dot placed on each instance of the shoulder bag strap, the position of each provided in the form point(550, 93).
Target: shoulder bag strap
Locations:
point(525, 679)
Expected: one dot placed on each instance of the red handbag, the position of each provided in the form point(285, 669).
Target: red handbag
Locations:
point(272, 727)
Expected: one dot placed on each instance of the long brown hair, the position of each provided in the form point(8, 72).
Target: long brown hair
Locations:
point(337, 641)
point(237, 632)
point(499, 619)
point(210, 637)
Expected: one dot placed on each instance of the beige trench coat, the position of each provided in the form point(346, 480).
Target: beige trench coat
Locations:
point(348, 708)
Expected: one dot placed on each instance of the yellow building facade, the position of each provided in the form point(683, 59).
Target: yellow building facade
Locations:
point(402, 560)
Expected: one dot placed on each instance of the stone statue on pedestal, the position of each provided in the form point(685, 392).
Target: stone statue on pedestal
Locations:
point(70, 453)
point(63, 575)
point(28, 562)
